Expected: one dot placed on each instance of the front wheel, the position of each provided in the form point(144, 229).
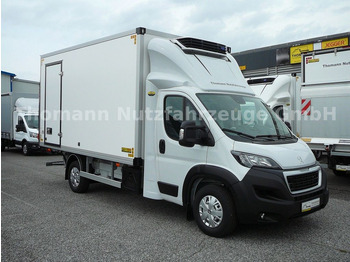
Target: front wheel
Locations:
point(77, 183)
point(339, 173)
point(317, 154)
point(25, 149)
point(214, 212)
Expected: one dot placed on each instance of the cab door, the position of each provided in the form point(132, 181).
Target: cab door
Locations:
point(174, 161)
point(20, 129)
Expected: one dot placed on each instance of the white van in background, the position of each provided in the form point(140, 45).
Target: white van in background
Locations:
point(23, 131)
point(19, 113)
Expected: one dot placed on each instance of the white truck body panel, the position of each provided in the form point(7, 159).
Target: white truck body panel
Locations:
point(27, 105)
point(326, 67)
point(111, 71)
point(326, 85)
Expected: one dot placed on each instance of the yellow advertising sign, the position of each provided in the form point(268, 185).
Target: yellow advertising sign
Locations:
point(295, 52)
point(335, 43)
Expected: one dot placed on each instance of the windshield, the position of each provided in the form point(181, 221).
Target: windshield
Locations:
point(245, 118)
point(32, 121)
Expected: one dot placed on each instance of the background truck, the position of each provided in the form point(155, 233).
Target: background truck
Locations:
point(174, 119)
point(325, 107)
point(315, 103)
point(19, 114)
point(282, 94)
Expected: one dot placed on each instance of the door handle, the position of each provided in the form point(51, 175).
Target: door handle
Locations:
point(49, 131)
point(162, 146)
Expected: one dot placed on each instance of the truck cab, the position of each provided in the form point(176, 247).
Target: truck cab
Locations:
point(218, 145)
point(26, 132)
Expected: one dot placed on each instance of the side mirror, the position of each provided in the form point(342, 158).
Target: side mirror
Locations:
point(190, 134)
point(20, 128)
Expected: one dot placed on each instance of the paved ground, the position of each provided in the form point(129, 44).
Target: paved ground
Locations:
point(43, 220)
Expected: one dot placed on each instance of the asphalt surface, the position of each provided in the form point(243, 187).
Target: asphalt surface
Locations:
point(43, 220)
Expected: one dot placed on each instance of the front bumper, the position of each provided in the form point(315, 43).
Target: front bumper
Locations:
point(263, 196)
point(33, 145)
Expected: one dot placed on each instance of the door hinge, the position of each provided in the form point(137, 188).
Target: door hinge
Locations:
point(60, 134)
point(60, 73)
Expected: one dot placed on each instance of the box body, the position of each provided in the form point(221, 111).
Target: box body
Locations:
point(325, 94)
point(92, 96)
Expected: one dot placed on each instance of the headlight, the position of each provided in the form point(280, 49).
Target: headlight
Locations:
point(250, 160)
point(34, 135)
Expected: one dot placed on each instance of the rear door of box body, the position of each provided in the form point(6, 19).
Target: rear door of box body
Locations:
point(52, 107)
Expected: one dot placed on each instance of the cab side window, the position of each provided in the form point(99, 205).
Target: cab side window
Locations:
point(21, 126)
point(20, 121)
point(176, 110)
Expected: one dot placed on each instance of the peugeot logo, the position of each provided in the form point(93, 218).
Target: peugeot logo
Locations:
point(300, 159)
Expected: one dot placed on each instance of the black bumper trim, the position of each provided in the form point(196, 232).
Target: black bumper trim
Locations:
point(263, 196)
point(33, 145)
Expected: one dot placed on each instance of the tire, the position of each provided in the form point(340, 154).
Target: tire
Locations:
point(339, 173)
point(317, 154)
point(217, 219)
point(25, 149)
point(77, 184)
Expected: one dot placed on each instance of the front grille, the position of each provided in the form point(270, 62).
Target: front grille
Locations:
point(303, 181)
point(203, 45)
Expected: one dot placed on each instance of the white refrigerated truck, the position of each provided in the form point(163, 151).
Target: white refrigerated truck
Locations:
point(20, 115)
point(325, 105)
point(173, 118)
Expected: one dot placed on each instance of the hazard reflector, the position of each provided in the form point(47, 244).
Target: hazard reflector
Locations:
point(306, 107)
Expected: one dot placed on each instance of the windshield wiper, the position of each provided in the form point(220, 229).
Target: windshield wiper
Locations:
point(237, 133)
point(271, 136)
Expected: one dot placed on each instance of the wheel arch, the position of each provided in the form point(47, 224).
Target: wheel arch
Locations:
point(201, 175)
point(70, 158)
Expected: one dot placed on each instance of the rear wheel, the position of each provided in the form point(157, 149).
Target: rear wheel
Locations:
point(77, 183)
point(213, 210)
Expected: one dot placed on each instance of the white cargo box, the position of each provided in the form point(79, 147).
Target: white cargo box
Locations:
point(101, 89)
point(325, 94)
